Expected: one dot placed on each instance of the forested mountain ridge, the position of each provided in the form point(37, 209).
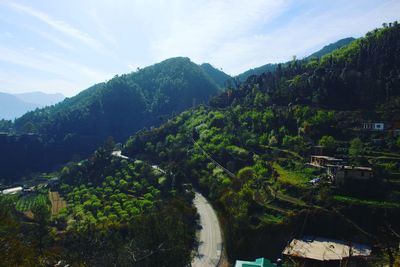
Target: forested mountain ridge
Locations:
point(118, 108)
point(158, 90)
point(331, 47)
point(272, 66)
point(361, 75)
point(220, 77)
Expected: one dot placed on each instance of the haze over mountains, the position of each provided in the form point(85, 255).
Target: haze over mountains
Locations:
point(15, 105)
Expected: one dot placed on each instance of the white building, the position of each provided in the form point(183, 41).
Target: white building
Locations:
point(373, 126)
point(12, 191)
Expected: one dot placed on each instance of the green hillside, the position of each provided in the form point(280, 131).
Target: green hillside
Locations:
point(331, 47)
point(218, 76)
point(116, 108)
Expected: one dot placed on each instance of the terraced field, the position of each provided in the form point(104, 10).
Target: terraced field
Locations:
point(57, 202)
point(25, 203)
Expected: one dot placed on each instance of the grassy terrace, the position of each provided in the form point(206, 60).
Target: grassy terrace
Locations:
point(373, 203)
point(294, 178)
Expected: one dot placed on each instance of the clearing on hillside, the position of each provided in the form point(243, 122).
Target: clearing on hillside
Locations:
point(57, 202)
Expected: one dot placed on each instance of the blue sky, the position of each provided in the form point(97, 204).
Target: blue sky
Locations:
point(67, 46)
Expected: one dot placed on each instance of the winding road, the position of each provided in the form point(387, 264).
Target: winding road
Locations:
point(209, 251)
point(210, 240)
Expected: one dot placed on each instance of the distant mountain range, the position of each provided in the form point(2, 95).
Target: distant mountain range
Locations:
point(15, 105)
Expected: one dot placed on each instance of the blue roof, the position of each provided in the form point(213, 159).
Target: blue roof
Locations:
point(260, 262)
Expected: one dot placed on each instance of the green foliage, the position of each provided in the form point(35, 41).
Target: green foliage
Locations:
point(356, 151)
point(295, 178)
point(328, 142)
point(128, 210)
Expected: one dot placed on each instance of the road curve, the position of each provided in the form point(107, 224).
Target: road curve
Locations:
point(210, 241)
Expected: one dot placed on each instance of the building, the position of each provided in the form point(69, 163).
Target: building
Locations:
point(324, 250)
point(260, 262)
point(373, 126)
point(323, 161)
point(341, 174)
point(12, 191)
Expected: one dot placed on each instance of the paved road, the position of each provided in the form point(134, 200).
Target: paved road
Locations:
point(210, 241)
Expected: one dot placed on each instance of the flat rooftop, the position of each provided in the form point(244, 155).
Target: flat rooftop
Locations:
point(347, 167)
point(326, 158)
point(324, 249)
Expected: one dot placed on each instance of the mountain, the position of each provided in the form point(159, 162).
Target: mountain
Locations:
point(76, 126)
point(126, 103)
point(12, 107)
point(218, 76)
point(15, 105)
point(40, 99)
point(272, 66)
point(256, 71)
point(331, 47)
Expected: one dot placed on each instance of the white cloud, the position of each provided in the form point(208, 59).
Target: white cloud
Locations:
point(58, 25)
point(202, 27)
point(45, 62)
point(301, 35)
point(53, 66)
point(52, 38)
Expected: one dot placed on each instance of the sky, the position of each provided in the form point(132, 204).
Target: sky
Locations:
point(67, 46)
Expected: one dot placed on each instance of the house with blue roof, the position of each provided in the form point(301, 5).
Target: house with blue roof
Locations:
point(260, 262)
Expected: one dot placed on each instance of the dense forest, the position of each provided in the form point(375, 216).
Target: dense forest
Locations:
point(271, 67)
point(362, 75)
point(75, 127)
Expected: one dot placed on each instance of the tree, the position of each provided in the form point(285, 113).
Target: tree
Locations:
point(356, 151)
point(41, 217)
point(328, 142)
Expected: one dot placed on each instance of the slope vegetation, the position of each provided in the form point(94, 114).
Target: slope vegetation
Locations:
point(117, 108)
